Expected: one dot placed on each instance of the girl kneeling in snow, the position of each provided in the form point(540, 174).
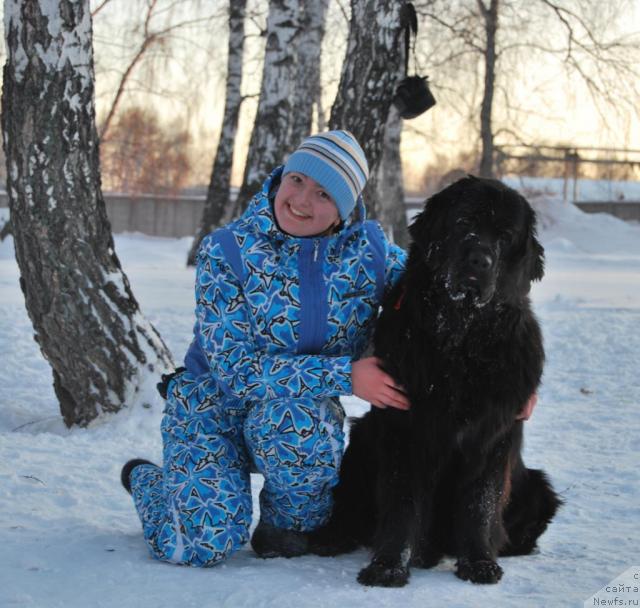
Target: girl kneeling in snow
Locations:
point(286, 300)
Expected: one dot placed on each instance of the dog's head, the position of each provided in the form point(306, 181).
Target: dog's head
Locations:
point(478, 239)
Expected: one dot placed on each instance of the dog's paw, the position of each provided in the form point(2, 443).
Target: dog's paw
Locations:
point(378, 574)
point(482, 571)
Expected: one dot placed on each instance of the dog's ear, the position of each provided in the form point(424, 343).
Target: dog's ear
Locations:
point(535, 251)
point(426, 227)
point(537, 271)
point(419, 227)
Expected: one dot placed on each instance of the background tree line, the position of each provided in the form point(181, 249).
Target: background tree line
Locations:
point(543, 52)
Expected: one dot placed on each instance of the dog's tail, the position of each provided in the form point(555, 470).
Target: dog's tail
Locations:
point(532, 505)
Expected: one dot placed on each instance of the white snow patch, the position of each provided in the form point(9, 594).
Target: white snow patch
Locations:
point(586, 189)
point(14, 170)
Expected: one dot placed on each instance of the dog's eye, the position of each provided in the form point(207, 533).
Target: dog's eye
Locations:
point(464, 223)
point(505, 238)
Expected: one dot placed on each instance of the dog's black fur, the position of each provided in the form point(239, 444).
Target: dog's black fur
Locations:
point(447, 477)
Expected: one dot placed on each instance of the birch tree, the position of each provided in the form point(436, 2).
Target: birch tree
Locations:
point(489, 14)
point(86, 320)
point(368, 80)
point(218, 193)
point(269, 141)
point(306, 87)
point(390, 183)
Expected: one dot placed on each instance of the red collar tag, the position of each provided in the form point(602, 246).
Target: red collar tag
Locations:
point(398, 304)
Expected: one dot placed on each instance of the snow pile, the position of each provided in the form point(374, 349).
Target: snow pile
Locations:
point(599, 233)
point(586, 189)
point(593, 258)
point(70, 536)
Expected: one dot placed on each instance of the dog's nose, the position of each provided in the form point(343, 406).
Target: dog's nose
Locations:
point(480, 260)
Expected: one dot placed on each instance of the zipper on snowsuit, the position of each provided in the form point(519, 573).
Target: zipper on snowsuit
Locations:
point(313, 298)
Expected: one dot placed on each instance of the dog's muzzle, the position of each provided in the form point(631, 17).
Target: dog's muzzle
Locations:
point(473, 279)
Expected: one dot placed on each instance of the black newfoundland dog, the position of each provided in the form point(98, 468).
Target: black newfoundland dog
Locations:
point(447, 477)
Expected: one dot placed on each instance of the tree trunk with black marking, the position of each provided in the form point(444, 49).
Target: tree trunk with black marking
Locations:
point(369, 78)
point(490, 16)
point(86, 319)
point(390, 190)
point(306, 87)
point(216, 207)
point(270, 136)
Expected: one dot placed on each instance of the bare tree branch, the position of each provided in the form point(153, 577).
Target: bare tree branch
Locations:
point(580, 41)
point(99, 8)
point(149, 38)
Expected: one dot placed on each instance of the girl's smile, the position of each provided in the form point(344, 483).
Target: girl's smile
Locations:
point(302, 207)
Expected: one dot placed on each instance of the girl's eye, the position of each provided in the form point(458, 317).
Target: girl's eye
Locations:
point(325, 196)
point(295, 178)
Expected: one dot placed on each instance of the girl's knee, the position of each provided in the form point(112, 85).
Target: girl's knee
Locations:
point(197, 537)
point(195, 512)
point(198, 552)
point(284, 434)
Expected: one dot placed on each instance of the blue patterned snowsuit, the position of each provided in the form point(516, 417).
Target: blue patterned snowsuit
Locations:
point(278, 321)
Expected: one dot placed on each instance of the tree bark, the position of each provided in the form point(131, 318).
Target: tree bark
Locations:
point(490, 16)
point(218, 194)
point(390, 183)
point(368, 80)
point(86, 319)
point(306, 86)
point(270, 136)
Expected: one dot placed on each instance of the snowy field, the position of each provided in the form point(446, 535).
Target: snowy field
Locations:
point(70, 537)
point(585, 189)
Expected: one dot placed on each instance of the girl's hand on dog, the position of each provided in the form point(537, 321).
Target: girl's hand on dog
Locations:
point(371, 383)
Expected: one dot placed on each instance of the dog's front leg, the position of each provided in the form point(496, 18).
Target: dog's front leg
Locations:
point(478, 516)
point(396, 523)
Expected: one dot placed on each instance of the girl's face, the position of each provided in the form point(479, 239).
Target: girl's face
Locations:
point(303, 207)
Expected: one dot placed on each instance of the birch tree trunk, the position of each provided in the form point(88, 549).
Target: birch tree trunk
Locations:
point(390, 182)
point(369, 78)
point(85, 317)
point(306, 87)
point(218, 194)
point(490, 16)
point(270, 136)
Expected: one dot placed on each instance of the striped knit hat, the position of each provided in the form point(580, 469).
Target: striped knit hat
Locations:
point(336, 161)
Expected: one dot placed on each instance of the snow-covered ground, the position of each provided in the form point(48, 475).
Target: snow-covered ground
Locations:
point(585, 189)
point(69, 535)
